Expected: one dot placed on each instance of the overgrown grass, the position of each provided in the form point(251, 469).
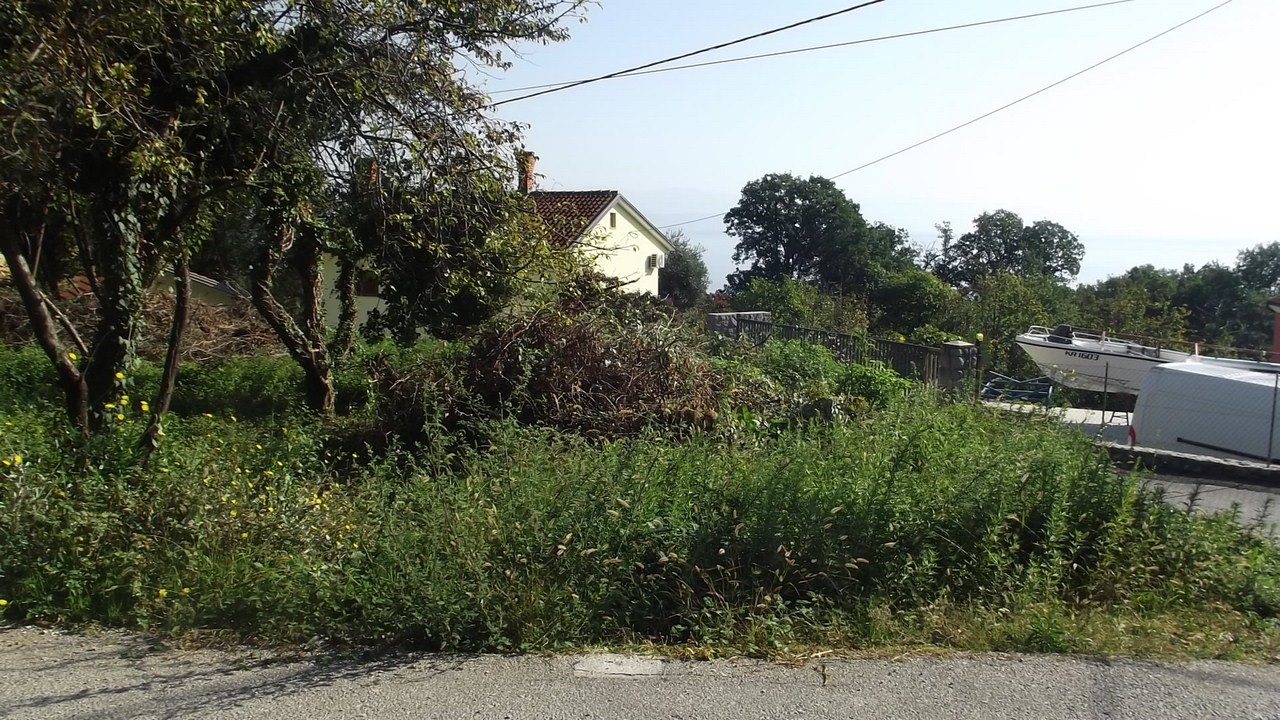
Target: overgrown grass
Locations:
point(922, 523)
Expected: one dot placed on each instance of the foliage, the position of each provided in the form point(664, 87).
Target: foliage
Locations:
point(136, 125)
point(944, 524)
point(1130, 305)
point(793, 302)
point(1003, 306)
point(684, 277)
point(911, 299)
point(808, 230)
point(1001, 243)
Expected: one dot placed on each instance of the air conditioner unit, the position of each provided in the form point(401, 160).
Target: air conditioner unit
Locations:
point(651, 263)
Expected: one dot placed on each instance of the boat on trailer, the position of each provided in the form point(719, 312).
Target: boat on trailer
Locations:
point(1103, 363)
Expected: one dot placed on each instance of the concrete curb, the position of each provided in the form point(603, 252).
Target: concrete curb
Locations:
point(1176, 463)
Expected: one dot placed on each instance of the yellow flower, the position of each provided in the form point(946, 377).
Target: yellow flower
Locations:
point(119, 416)
point(73, 357)
point(3, 602)
point(233, 418)
point(259, 446)
point(244, 536)
point(163, 592)
point(124, 399)
point(164, 470)
point(17, 459)
point(270, 509)
point(110, 406)
point(355, 546)
point(119, 376)
point(146, 407)
point(268, 473)
point(233, 513)
point(208, 415)
point(186, 591)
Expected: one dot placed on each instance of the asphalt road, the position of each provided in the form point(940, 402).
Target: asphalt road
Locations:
point(47, 675)
point(1255, 504)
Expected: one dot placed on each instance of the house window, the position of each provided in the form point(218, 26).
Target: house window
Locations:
point(366, 283)
point(613, 219)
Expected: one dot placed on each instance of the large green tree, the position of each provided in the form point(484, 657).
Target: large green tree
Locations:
point(1001, 242)
point(131, 126)
point(684, 278)
point(1140, 302)
point(809, 230)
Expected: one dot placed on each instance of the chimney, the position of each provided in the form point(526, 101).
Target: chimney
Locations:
point(525, 162)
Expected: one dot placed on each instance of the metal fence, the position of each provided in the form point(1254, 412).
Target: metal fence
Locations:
point(918, 362)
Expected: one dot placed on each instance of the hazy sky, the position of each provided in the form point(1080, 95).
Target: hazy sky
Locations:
point(1167, 155)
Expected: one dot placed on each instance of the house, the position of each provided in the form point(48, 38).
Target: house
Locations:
point(603, 224)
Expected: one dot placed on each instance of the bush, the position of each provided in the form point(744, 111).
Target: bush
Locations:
point(910, 523)
point(800, 368)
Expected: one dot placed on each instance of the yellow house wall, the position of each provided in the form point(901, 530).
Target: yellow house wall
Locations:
point(620, 252)
point(332, 306)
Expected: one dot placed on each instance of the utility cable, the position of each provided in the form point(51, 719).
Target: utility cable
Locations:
point(646, 66)
point(999, 109)
point(813, 48)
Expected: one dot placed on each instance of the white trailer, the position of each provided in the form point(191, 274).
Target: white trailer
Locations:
point(1207, 409)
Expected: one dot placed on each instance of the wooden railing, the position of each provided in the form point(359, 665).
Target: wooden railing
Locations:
point(918, 362)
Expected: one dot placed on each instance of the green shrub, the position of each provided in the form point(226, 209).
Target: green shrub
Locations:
point(799, 367)
point(859, 535)
point(26, 377)
point(249, 387)
point(874, 382)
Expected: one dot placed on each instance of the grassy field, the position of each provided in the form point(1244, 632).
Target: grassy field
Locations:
point(920, 524)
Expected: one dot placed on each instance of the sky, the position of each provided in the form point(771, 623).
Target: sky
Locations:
point(1166, 155)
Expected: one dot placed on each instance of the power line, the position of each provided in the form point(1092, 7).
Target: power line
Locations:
point(829, 46)
point(1002, 108)
point(646, 66)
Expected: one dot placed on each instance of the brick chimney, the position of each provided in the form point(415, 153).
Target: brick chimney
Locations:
point(525, 162)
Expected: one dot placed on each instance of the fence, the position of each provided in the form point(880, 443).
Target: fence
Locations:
point(1002, 387)
point(913, 361)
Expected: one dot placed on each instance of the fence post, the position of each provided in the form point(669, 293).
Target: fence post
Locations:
point(958, 361)
point(726, 324)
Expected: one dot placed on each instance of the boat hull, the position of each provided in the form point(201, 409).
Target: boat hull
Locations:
point(1084, 368)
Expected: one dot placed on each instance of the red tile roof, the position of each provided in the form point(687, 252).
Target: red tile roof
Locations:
point(568, 215)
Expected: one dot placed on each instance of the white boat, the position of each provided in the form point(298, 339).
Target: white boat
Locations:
point(1089, 361)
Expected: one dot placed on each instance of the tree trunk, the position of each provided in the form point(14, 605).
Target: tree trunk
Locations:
point(307, 346)
point(181, 308)
point(70, 379)
point(346, 289)
point(119, 313)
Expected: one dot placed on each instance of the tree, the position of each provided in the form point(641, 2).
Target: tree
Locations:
point(684, 278)
point(1001, 242)
point(134, 124)
point(113, 112)
point(808, 230)
point(792, 302)
point(1139, 302)
point(1259, 268)
point(910, 299)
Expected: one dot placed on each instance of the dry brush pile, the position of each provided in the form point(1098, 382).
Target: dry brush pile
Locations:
point(213, 331)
